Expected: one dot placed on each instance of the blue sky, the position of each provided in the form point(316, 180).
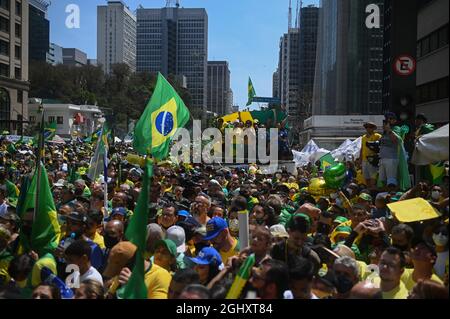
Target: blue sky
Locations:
point(246, 33)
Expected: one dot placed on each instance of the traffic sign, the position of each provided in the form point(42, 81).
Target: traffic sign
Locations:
point(405, 65)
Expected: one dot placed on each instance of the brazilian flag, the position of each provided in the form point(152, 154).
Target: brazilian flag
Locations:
point(49, 131)
point(251, 92)
point(165, 113)
point(437, 172)
point(46, 230)
point(327, 161)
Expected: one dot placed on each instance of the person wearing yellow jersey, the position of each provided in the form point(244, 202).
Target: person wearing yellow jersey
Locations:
point(120, 261)
point(423, 257)
point(369, 171)
point(219, 234)
point(392, 266)
point(5, 256)
point(94, 221)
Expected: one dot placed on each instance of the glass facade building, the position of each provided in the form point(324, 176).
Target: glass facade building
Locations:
point(175, 41)
point(349, 68)
point(39, 29)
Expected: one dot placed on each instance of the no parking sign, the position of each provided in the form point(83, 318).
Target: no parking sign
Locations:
point(405, 65)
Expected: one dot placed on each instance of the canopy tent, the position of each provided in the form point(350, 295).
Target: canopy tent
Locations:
point(432, 148)
point(57, 140)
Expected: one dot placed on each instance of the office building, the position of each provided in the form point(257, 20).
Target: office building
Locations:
point(174, 41)
point(349, 65)
point(219, 91)
point(432, 61)
point(309, 20)
point(74, 57)
point(14, 85)
point(116, 35)
point(55, 54)
point(275, 84)
point(39, 30)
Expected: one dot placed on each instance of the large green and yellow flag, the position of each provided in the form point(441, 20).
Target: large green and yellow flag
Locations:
point(46, 230)
point(251, 92)
point(327, 161)
point(136, 233)
point(49, 131)
point(164, 115)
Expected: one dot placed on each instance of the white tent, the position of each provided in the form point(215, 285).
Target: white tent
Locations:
point(432, 148)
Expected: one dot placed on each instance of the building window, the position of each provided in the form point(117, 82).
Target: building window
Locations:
point(5, 109)
point(4, 48)
point(59, 120)
point(51, 119)
point(18, 53)
point(433, 91)
point(433, 41)
point(18, 30)
point(18, 73)
point(4, 70)
point(18, 8)
point(4, 25)
point(19, 96)
point(4, 4)
point(32, 119)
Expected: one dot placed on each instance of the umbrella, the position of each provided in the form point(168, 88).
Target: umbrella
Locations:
point(432, 148)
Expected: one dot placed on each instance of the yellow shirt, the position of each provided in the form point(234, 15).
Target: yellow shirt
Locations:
point(157, 280)
point(98, 239)
point(45, 261)
point(365, 150)
point(234, 251)
point(5, 259)
point(399, 292)
point(407, 279)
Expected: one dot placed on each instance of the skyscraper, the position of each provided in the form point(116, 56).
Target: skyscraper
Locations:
point(14, 85)
point(220, 98)
point(288, 67)
point(116, 35)
point(349, 66)
point(309, 20)
point(39, 29)
point(175, 41)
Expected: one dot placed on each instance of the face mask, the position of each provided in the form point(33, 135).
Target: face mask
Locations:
point(343, 284)
point(435, 195)
point(334, 195)
point(350, 191)
point(440, 240)
point(110, 242)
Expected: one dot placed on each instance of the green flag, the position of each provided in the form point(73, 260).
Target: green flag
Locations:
point(46, 230)
point(27, 198)
point(49, 131)
point(99, 161)
point(326, 161)
point(251, 92)
point(164, 114)
point(437, 172)
point(136, 233)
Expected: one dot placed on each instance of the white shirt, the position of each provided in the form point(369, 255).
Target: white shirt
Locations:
point(91, 274)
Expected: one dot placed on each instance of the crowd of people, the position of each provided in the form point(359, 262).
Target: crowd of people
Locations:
point(342, 244)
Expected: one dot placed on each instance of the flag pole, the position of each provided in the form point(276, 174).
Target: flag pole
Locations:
point(40, 157)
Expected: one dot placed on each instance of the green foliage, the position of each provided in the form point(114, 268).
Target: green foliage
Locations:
point(124, 92)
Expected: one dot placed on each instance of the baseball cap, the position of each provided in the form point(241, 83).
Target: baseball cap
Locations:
point(340, 220)
point(183, 213)
point(119, 256)
point(77, 217)
point(365, 197)
point(169, 244)
point(60, 183)
point(279, 231)
point(119, 211)
point(214, 227)
point(370, 124)
point(304, 216)
point(207, 256)
point(178, 236)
